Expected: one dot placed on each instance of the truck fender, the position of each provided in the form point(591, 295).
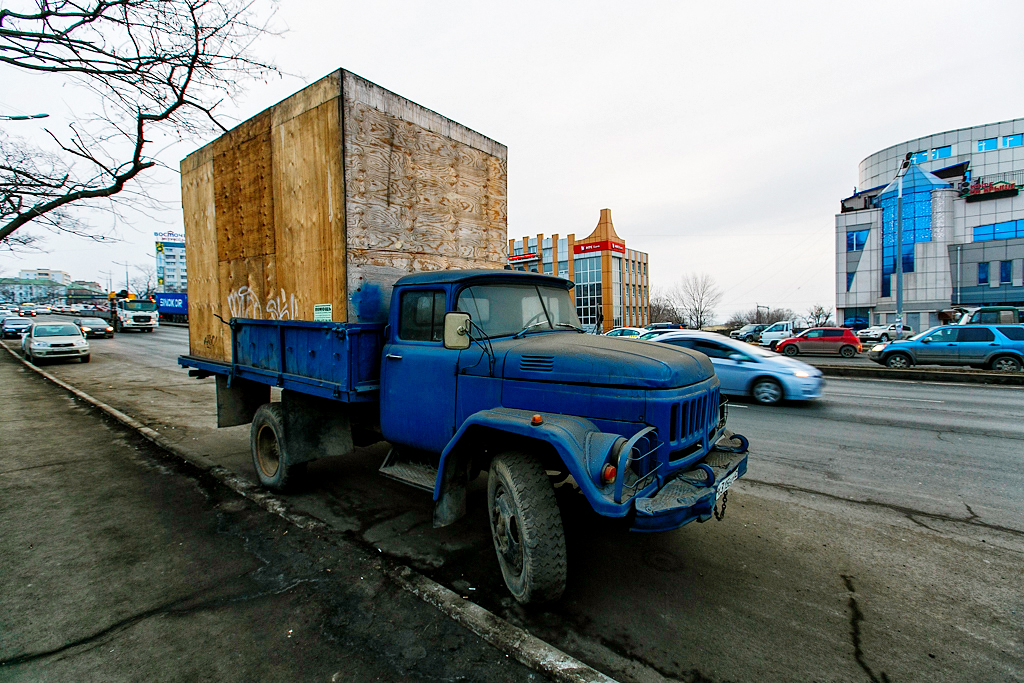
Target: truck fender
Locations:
point(582, 447)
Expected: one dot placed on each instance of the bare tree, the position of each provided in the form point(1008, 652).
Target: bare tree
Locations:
point(818, 315)
point(661, 309)
point(696, 296)
point(144, 281)
point(156, 65)
point(759, 316)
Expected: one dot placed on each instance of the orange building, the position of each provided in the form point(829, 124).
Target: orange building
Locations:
point(611, 280)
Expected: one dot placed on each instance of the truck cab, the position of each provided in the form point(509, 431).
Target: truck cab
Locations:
point(135, 314)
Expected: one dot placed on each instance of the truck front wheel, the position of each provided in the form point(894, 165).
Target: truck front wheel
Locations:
point(270, 458)
point(526, 527)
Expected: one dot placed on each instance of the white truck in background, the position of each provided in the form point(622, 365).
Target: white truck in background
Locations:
point(784, 329)
point(135, 314)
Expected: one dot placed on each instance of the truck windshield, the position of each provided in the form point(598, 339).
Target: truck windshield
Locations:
point(140, 305)
point(504, 309)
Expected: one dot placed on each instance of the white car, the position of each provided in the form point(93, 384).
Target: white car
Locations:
point(884, 333)
point(625, 332)
point(46, 341)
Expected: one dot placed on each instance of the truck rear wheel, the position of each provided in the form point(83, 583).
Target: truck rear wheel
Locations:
point(270, 458)
point(526, 527)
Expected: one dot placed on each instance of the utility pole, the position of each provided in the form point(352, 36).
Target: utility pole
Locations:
point(757, 314)
point(125, 264)
point(899, 243)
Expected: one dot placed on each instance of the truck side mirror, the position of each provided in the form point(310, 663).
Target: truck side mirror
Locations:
point(456, 330)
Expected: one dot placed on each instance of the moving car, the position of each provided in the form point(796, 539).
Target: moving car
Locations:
point(13, 326)
point(746, 370)
point(625, 332)
point(884, 333)
point(46, 341)
point(94, 327)
point(748, 333)
point(27, 310)
point(825, 340)
point(998, 347)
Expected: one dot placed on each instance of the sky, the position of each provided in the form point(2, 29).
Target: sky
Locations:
point(721, 135)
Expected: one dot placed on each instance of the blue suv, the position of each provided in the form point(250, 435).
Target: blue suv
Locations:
point(999, 347)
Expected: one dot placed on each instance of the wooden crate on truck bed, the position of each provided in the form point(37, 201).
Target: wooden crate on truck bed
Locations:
point(327, 198)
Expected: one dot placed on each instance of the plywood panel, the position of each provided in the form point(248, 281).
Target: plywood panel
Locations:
point(309, 211)
point(243, 182)
point(206, 336)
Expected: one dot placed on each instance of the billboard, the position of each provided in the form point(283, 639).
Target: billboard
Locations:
point(172, 302)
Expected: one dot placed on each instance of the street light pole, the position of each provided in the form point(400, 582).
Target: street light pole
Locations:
point(899, 242)
point(125, 264)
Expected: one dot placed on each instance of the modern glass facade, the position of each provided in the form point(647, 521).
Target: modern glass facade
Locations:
point(917, 186)
point(588, 290)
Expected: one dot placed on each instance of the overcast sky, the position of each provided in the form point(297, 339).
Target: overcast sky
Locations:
point(721, 135)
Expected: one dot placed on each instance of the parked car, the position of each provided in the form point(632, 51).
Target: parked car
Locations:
point(48, 341)
point(666, 326)
point(824, 340)
point(748, 333)
point(746, 370)
point(44, 309)
point(625, 332)
point(94, 327)
point(654, 334)
point(999, 347)
point(13, 326)
point(884, 333)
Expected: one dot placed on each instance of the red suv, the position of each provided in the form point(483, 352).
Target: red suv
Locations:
point(839, 340)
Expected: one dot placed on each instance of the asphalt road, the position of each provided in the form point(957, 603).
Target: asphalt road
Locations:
point(879, 531)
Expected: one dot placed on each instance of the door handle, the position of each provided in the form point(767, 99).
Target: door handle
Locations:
point(394, 356)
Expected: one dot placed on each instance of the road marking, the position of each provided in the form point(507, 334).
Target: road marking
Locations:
point(889, 398)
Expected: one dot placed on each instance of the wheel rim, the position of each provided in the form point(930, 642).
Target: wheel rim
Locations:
point(268, 451)
point(847, 352)
point(507, 532)
point(1005, 365)
point(767, 392)
point(884, 338)
point(898, 362)
point(791, 350)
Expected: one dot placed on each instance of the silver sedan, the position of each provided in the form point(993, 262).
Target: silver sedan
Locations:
point(746, 370)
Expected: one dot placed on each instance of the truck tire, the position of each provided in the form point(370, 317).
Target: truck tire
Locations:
point(772, 345)
point(526, 527)
point(266, 443)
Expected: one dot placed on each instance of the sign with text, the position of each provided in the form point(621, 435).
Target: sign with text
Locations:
point(322, 313)
point(172, 302)
point(522, 257)
point(606, 245)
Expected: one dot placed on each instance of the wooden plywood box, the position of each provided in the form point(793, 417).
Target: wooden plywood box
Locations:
point(329, 197)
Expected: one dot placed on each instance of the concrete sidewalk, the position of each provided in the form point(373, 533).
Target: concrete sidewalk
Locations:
point(118, 562)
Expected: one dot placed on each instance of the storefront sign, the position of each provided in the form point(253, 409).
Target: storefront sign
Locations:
point(976, 192)
point(607, 245)
point(522, 257)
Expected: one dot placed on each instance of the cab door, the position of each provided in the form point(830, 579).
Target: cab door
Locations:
point(417, 395)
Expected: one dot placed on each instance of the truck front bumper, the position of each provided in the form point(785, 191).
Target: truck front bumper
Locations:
point(691, 495)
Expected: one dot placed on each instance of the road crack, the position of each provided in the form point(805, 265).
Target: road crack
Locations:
point(856, 617)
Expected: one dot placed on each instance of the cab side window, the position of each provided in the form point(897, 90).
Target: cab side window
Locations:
point(422, 316)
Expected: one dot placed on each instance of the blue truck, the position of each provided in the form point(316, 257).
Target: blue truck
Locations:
point(489, 371)
point(172, 306)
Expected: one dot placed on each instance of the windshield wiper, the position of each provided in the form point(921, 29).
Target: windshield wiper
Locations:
point(570, 325)
point(523, 331)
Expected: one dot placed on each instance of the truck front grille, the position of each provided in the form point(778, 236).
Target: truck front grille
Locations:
point(690, 419)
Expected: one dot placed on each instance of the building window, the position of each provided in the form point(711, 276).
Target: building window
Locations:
point(849, 280)
point(987, 145)
point(616, 291)
point(855, 240)
point(919, 158)
point(1005, 272)
point(983, 273)
point(1015, 140)
point(547, 269)
point(563, 249)
point(1000, 231)
point(587, 275)
point(942, 152)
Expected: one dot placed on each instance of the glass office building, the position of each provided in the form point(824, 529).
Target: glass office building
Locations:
point(962, 228)
point(611, 280)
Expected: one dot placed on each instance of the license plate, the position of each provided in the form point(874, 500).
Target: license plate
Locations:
point(724, 485)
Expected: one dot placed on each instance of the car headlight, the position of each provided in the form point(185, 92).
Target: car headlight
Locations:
point(86, 329)
point(878, 347)
point(79, 342)
point(801, 373)
point(39, 345)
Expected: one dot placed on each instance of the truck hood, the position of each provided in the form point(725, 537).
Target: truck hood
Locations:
point(572, 358)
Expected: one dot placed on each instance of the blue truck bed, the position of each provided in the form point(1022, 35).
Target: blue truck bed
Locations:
point(339, 361)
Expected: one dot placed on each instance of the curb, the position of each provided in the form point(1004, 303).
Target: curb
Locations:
point(505, 637)
point(913, 374)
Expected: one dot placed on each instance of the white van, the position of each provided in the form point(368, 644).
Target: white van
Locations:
point(784, 329)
